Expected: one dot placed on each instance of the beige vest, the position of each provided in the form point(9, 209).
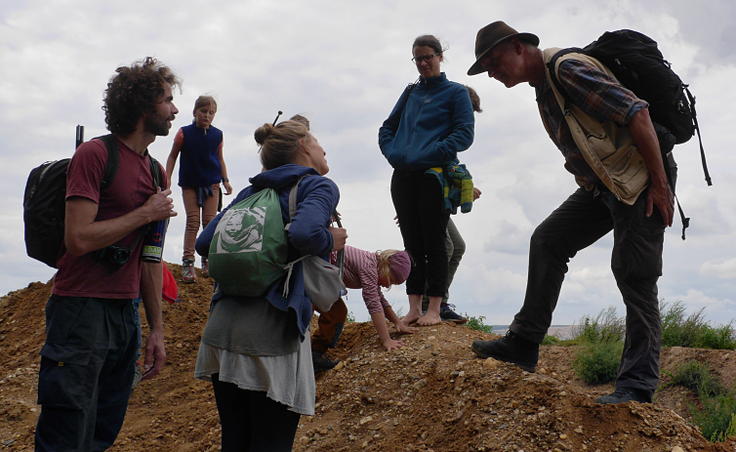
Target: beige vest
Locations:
point(606, 147)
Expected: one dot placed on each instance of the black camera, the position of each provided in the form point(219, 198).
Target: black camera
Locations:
point(113, 255)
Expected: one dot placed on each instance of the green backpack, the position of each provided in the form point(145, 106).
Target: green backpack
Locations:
point(249, 247)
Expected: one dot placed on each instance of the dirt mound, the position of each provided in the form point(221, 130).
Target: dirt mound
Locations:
point(431, 395)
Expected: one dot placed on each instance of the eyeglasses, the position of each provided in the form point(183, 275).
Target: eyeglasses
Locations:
point(422, 58)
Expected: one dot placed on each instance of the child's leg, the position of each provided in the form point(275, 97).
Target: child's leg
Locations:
point(192, 226)
point(209, 209)
point(329, 327)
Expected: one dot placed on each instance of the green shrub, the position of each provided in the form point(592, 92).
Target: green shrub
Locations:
point(698, 378)
point(551, 340)
point(693, 330)
point(476, 323)
point(606, 327)
point(717, 418)
point(597, 362)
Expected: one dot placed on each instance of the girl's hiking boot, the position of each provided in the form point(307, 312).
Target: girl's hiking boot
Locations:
point(187, 271)
point(205, 268)
point(448, 315)
point(511, 348)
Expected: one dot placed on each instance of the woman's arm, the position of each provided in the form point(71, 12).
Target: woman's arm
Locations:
point(388, 129)
point(462, 128)
point(308, 231)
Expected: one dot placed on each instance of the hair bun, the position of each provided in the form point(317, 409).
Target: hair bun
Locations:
point(262, 133)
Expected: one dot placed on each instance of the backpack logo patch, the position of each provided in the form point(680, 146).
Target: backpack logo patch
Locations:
point(242, 231)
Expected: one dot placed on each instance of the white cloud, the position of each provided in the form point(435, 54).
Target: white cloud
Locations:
point(344, 64)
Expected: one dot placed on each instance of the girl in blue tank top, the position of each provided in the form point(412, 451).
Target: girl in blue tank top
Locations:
point(201, 171)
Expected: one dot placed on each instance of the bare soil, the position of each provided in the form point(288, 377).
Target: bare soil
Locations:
point(431, 395)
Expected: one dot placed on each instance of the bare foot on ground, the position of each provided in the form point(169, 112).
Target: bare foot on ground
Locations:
point(410, 318)
point(430, 318)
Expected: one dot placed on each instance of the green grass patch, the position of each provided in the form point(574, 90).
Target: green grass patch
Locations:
point(716, 415)
point(693, 330)
point(606, 327)
point(597, 363)
point(477, 323)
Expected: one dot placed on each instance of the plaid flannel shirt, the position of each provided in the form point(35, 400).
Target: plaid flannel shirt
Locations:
point(594, 92)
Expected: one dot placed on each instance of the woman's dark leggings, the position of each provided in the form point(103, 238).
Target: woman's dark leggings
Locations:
point(251, 421)
point(423, 220)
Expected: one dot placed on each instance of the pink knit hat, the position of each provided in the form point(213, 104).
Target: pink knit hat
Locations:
point(400, 264)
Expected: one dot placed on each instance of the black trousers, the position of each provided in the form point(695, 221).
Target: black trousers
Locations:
point(87, 368)
point(251, 422)
point(423, 220)
point(636, 261)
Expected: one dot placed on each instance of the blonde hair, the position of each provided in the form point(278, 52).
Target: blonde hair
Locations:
point(204, 101)
point(279, 143)
point(384, 266)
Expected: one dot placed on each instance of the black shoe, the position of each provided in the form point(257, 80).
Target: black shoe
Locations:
point(447, 314)
point(511, 348)
point(322, 363)
point(623, 396)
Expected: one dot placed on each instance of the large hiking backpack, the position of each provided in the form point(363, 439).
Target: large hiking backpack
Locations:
point(249, 248)
point(44, 202)
point(638, 64)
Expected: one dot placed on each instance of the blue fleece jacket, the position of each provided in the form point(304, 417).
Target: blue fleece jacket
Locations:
point(431, 122)
point(317, 198)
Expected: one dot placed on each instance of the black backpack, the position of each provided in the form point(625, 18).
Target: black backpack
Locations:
point(45, 198)
point(638, 64)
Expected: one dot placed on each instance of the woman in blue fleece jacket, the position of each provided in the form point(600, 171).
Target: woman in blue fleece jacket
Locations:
point(256, 351)
point(431, 122)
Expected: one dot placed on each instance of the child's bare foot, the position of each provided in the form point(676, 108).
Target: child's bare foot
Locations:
point(429, 318)
point(391, 344)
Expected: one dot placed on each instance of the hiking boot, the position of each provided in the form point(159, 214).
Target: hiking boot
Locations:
point(623, 396)
point(511, 348)
point(447, 314)
point(205, 268)
point(187, 271)
point(321, 363)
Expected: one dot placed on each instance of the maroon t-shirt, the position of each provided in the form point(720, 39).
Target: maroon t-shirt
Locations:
point(85, 276)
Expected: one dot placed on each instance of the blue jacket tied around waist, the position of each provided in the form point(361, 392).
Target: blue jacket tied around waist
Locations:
point(431, 122)
point(317, 198)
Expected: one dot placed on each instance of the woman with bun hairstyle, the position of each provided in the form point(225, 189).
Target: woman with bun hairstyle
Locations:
point(256, 351)
point(431, 122)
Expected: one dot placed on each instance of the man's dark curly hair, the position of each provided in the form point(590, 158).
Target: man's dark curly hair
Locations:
point(134, 91)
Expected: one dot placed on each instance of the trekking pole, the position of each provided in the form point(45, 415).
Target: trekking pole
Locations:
point(80, 136)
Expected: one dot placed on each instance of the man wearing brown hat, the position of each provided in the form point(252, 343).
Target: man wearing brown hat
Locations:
point(610, 146)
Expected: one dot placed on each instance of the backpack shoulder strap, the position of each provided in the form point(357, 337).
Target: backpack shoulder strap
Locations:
point(113, 158)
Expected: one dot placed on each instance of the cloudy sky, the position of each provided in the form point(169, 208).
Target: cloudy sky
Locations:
point(344, 64)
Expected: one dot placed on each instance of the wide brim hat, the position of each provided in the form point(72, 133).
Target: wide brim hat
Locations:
point(492, 35)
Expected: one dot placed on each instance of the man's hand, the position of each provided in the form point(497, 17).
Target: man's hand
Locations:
point(661, 196)
point(159, 205)
point(155, 354)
